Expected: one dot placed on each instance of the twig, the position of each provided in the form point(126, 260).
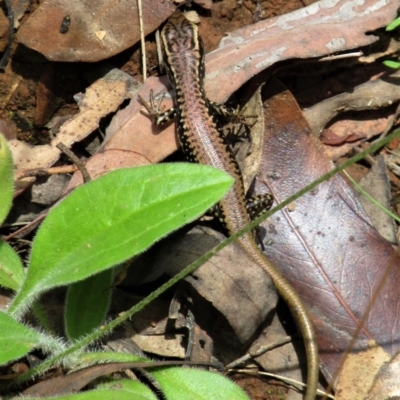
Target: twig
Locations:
point(142, 43)
point(258, 352)
point(25, 173)
point(340, 56)
point(27, 227)
point(76, 161)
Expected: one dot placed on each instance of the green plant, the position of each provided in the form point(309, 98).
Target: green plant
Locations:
point(95, 228)
point(392, 63)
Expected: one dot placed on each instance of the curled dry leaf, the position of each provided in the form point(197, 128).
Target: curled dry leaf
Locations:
point(324, 244)
point(372, 95)
point(97, 29)
point(46, 100)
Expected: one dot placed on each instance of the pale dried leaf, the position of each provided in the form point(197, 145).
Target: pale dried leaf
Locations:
point(358, 373)
point(387, 382)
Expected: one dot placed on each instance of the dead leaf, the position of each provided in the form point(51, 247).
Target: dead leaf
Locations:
point(376, 184)
point(320, 29)
point(235, 286)
point(75, 381)
point(98, 29)
point(358, 373)
point(100, 99)
point(372, 95)
point(387, 383)
point(287, 360)
point(46, 99)
point(325, 245)
point(232, 65)
point(130, 137)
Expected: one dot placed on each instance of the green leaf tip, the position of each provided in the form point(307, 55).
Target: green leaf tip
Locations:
point(11, 268)
point(6, 179)
point(15, 339)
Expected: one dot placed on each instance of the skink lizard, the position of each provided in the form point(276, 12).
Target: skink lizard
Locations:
point(203, 142)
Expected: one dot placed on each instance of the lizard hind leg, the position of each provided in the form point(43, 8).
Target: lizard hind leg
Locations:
point(258, 205)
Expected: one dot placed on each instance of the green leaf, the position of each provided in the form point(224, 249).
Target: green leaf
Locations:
point(87, 304)
point(393, 25)
point(196, 384)
point(15, 339)
point(133, 387)
point(6, 179)
point(11, 268)
point(141, 393)
point(392, 64)
point(111, 219)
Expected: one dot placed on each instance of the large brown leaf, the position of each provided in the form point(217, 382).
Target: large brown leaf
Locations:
point(324, 243)
point(98, 29)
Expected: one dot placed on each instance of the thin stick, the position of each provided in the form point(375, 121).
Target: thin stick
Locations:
point(64, 169)
point(142, 43)
point(76, 161)
point(30, 226)
point(258, 352)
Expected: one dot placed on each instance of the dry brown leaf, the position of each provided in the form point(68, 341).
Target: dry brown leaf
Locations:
point(75, 381)
point(46, 99)
point(235, 286)
point(324, 244)
point(239, 289)
point(372, 95)
point(98, 29)
point(173, 346)
point(320, 29)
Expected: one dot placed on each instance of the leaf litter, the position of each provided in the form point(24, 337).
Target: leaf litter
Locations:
point(328, 275)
